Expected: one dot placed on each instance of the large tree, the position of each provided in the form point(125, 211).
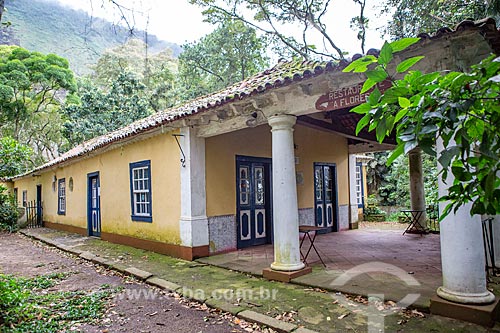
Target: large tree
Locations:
point(33, 87)
point(14, 157)
point(390, 183)
point(279, 19)
point(95, 111)
point(229, 54)
point(411, 17)
point(156, 71)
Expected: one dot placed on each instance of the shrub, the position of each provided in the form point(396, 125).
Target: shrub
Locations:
point(372, 206)
point(8, 211)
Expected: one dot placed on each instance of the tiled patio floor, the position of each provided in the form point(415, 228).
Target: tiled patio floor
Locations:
point(394, 265)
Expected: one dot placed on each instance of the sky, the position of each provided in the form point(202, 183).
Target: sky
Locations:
point(180, 22)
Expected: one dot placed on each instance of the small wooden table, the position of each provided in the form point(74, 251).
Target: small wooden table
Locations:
point(307, 230)
point(414, 216)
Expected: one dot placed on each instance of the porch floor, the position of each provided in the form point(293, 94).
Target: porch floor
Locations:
point(392, 263)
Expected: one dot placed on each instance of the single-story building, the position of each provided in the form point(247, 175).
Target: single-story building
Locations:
point(240, 167)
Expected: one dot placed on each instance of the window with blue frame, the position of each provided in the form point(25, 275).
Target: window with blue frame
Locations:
point(61, 196)
point(140, 191)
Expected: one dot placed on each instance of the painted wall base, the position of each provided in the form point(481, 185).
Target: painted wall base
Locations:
point(353, 222)
point(194, 231)
point(343, 217)
point(65, 227)
point(173, 250)
point(306, 216)
point(222, 233)
point(177, 251)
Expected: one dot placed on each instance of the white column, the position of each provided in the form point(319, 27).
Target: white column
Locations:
point(417, 194)
point(496, 239)
point(285, 208)
point(462, 253)
point(496, 236)
point(193, 222)
point(353, 202)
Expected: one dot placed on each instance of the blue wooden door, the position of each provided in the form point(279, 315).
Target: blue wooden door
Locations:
point(325, 199)
point(253, 201)
point(94, 205)
point(39, 209)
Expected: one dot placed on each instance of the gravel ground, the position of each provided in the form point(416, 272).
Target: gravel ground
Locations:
point(136, 307)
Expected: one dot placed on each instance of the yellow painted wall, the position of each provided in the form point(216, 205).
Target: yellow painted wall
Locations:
point(113, 167)
point(312, 146)
point(220, 152)
point(319, 146)
point(28, 183)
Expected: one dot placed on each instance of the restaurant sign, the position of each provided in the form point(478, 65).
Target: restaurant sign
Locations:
point(347, 97)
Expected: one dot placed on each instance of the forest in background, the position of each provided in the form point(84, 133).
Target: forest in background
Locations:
point(46, 108)
point(47, 27)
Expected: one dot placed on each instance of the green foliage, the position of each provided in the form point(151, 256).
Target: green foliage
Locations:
point(14, 157)
point(411, 17)
point(8, 211)
point(32, 90)
point(279, 19)
point(372, 206)
point(462, 110)
point(24, 302)
point(391, 183)
point(155, 71)
point(97, 112)
point(228, 55)
point(48, 27)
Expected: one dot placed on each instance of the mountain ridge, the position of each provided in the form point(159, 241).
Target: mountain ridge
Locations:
point(49, 27)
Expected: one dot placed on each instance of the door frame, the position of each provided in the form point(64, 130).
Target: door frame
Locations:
point(268, 198)
point(89, 202)
point(362, 204)
point(39, 207)
point(335, 224)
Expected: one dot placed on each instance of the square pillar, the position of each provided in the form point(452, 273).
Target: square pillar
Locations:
point(193, 221)
point(353, 202)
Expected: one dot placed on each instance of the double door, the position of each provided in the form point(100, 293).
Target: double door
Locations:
point(253, 201)
point(93, 205)
point(325, 198)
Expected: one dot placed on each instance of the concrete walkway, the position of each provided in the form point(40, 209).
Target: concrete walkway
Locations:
point(376, 261)
point(281, 306)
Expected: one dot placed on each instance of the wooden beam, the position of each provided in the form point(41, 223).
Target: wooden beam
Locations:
point(332, 127)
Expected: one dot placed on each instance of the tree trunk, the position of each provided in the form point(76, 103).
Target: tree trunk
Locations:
point(2, 3)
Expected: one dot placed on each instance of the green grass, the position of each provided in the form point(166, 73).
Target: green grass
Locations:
point(27, 306)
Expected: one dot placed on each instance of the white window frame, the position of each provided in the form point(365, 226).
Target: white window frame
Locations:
point(61, 196)
point(140, 191)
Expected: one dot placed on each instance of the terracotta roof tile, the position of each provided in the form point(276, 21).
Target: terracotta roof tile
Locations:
point(284, 73)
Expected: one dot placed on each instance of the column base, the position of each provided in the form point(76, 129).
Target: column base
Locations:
point(287, 267)
point(194, 231)
point(485, 315)
point(466, 298)
point(283, 276)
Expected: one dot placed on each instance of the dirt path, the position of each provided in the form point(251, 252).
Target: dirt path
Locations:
point(136, 307)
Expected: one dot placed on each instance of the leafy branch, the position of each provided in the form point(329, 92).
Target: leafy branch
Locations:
point(461, 109)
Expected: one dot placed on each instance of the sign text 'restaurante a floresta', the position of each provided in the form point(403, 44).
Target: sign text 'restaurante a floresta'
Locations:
point(346, 97)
